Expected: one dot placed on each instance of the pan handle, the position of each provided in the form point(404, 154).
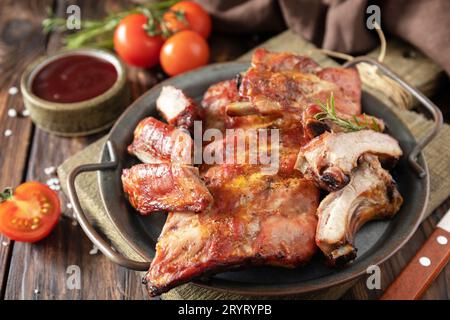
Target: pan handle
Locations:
point(427, 103)
point(92, 234)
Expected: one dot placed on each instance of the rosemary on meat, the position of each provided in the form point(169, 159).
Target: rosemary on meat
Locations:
point(329, 113)
point(99, 33)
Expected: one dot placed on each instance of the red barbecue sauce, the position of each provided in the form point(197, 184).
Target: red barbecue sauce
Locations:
point(74, 78)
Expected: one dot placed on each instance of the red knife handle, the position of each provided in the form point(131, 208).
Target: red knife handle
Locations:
point(426, 265)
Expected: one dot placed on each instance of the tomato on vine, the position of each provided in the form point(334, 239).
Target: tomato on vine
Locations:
point(134, 44)
point(188, 15)
point(184, 51)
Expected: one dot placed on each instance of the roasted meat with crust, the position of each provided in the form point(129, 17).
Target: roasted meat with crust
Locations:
point(158, 142)
point(282, 61)
point(371, 194)
point(178, 109)
point(215, 101)
point(314, 127)
point(165, 187)
point(256, 220)
point(274, 150)
point(280, 82)
point(330, 158)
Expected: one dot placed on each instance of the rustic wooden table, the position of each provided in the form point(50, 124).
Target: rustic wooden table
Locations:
point(39, 271)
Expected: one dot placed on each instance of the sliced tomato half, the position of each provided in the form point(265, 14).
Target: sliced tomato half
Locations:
point(30, 213)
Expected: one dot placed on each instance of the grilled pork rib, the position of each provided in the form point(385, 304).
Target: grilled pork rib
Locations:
point(330, 158)
point(282, 61)
point(256, 220)
point(371, 194)
point(165, 187)
point(178, 109)
point(157, 142)
point(280, 82)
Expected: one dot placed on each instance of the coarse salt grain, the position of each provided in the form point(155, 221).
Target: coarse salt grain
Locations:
point(36, 291)
point(50, 170)
point(12, 113)
point(52, 181)
point(55, 187)
point(69, 206)
point(13, 91)
point(94, 250)
point(25, 113)
point(8, 133)
point(4, 243)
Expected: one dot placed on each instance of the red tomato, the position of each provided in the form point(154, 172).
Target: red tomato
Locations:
point(31, 213)
point(184, 51)
point(134, 45)
point(197, 19)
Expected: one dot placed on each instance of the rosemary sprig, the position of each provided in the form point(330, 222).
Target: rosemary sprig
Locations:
point(99, 33)
point(329, 113)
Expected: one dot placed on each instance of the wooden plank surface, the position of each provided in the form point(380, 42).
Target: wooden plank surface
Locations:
point(21, 41)
point(39, 271)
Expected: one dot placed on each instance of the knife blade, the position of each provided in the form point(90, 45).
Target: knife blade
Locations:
point(426, 265)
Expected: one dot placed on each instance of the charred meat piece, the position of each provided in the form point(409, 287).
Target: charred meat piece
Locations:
point(268, 93)
point(371, 194)
point(330, 158)
point(157, 142)
point(178, 109)
point(314, 127)
point(280, 82)
point(215, 101)
point(256, 220)
point(349, 84)
point(165, 187)
point(282, 61)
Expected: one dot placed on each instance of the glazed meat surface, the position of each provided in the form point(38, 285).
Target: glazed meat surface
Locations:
point(330, 158)
point(282, 61)
point(371, 194)
point(178, 109)
point(256, 220)
point(158, 142)
point(290, 83)
point(215, 102)
point(165, 187)
point(314, 127)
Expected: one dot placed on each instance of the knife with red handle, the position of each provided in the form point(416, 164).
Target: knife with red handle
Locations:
point(426, 265)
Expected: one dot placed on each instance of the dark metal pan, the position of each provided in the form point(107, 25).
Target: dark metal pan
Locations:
point(376, 241)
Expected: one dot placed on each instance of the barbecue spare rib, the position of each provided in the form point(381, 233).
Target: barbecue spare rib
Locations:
point(330, 158)
point(253, 217)
point(370, 194)
point(165, 187)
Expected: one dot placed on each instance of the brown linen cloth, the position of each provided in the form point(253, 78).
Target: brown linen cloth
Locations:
point(340, 25)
